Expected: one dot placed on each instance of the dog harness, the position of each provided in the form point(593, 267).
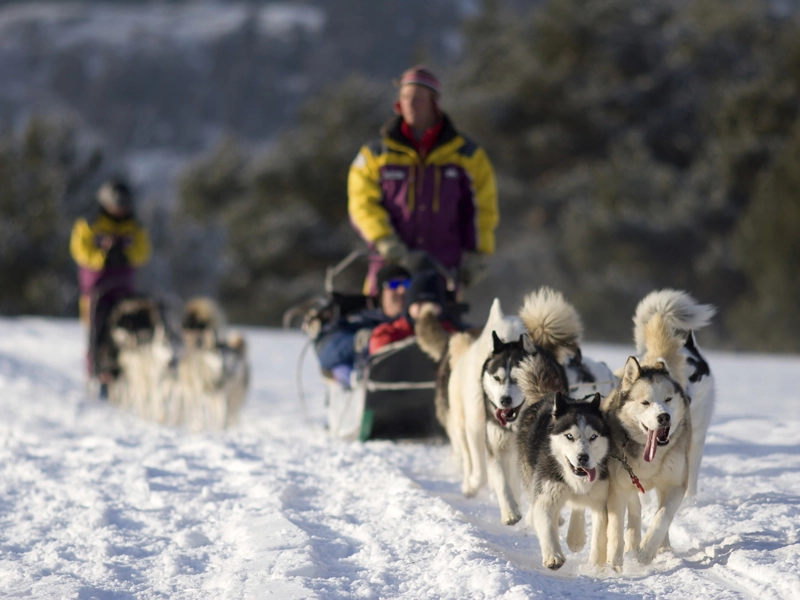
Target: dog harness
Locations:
point(634, 479)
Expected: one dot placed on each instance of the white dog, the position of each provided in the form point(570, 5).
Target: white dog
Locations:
point(144, 354)
point(465, 415)
point(213, 373)
point(651, 432)
point(682, 313)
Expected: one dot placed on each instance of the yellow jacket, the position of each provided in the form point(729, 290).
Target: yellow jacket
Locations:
point(445, 204)
point(86, 241)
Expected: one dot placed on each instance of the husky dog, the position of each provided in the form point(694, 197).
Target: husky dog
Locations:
point(651, 433)
point(553, 331)
point(587, 376)
point(563, 447)
point(213, 373)
point(681, 312)
point(504, 402)
point(144, 354)
point(460, 394)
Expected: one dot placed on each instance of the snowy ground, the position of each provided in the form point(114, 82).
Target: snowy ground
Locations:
point(99, 504)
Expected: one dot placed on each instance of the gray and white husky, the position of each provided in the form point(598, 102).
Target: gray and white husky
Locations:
point(685, 315)
point(563, 447)
point(213, 372)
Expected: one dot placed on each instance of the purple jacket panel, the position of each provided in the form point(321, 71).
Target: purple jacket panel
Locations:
point(122, 280)
point(442, 221)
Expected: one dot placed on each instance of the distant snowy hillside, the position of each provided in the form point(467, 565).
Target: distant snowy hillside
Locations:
point(98, 504)
point(167, 80)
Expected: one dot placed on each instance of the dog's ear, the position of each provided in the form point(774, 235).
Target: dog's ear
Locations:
point(661, 365)
point(631, 373)
point(559, 406)
point(527, 344)
point(691, 343)
point(495, 312)
point(595, 403)
point(498, 343)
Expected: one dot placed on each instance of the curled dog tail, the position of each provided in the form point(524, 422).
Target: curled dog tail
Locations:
point(541, 374)
point(663, 346)
point(678, 310)
point(431, 336)
point(552, 322)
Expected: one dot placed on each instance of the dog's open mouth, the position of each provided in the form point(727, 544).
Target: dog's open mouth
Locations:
point(655, 438)
point(506, 415)
point(583, 472)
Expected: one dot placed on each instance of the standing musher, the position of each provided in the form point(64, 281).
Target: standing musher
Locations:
point(109, 249)
point(424, 187)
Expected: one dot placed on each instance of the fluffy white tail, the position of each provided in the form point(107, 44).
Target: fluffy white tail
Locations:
point(552, 322)
point(678, 309)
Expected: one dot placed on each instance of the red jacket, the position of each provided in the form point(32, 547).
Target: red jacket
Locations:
point(397, 330)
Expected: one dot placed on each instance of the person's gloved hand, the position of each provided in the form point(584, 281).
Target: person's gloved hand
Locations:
point(474, 267)
point(361, 339)
point(341, 373)
point(392, 249)
point(116, 257)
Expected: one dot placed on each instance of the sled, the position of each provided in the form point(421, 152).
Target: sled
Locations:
point(391, 398)
point(392, 395)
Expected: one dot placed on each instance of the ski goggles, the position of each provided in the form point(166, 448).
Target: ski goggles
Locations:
point(393, 284)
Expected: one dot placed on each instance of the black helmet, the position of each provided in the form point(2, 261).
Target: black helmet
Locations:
point(115, 195)
point(426, 286)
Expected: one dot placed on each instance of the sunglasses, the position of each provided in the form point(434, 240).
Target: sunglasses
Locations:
point(393, 284)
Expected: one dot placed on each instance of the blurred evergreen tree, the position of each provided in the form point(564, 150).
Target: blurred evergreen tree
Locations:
point(45, 180)
point(284, 214)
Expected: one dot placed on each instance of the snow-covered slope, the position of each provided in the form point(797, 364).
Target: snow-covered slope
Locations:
point(98, 504)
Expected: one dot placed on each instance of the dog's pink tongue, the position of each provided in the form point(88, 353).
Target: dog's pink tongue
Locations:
point(500, 415)
point(651, 445)
point(592, 473)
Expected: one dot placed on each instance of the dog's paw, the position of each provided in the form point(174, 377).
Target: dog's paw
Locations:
point(598, 558)
point(511, 517)
point(632, 542)
point(576, 534)
point(554, 562)
point(576, 542)
point(468, 490)
point(646, 555)
point(471, 486)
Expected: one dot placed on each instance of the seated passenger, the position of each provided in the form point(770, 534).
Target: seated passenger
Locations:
point(427, 287)
point(338, 345)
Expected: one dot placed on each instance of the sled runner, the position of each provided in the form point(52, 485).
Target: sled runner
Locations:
point(392, 392)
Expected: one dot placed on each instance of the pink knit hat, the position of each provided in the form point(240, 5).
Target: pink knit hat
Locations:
point(420, 75)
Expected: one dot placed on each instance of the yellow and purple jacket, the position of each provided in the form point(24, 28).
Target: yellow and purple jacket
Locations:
point(444, 204)
point(96, 265)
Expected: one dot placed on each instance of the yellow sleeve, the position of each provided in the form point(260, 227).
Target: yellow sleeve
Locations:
point(487, 211)
point(364, 198)
point(84, 248)
point(139, 251)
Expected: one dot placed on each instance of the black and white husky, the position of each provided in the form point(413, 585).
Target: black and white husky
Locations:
point(504, 402)
point(144, 354)
point(563, 447)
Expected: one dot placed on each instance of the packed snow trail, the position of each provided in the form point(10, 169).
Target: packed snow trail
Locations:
point(96, 503)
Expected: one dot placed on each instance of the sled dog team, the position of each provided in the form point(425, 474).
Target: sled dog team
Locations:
point(524, 408)
point(199, 381)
